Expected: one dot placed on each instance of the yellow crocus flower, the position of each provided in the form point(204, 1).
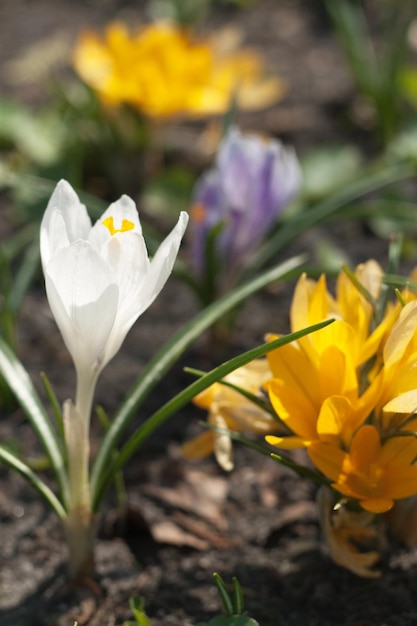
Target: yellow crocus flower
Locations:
point(165, 71)
point(326, 385)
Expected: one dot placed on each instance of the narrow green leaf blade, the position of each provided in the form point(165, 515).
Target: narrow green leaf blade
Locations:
point(224, 594)
point(182, 398)
point(312, 216)
point(24, 470)
point(20, 383)
point(169, 354)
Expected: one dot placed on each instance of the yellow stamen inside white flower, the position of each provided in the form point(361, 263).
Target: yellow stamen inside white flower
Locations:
point(109, 224)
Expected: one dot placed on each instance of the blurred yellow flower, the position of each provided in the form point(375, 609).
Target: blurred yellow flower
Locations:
point(230, 410)
point(165, 71)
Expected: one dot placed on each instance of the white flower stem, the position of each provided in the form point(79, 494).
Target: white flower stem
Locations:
point(86, 385)
point(80, 523)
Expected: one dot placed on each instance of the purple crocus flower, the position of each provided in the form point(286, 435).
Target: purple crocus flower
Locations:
point(252, 182)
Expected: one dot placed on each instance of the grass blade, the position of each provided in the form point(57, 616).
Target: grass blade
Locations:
point(24, 470)
point(21, 385)
point(316, 214)
point(169, 354)
point(182, 398)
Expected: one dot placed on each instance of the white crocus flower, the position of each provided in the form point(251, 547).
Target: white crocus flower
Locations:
point(99, 278)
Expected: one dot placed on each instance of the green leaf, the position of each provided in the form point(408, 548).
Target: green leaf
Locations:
point(328, 256)
point(20, 383)
point(351, 27)
point(137, 606)
point(24, 470)
point(167, 356)
point(187, 394)
point(24, 277)
point(168, 193)
point(224, 594)
point(238, 600)
point(400, 281)
point(376, 69)
point(37, 136)
point(408, 84)
point(55, 407)
point(330, 207)
point(265, 449)
point(328, 169)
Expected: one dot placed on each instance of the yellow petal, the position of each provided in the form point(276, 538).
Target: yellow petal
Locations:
point(402, 480)
point(294, 408)
point(286, 443)
point(401, 334)
point(206, 398)
point(365, 448)
point(260, 95)
point(400, 450)
point(318, 307)
point(405, 403)
point(247, 418)
point(327, 458)
point(292, 366)
point(199, 447)
point(299, 312)
point(338, 420)
point(339, 334)
point(337, 373)
point(370, 275)
point(377, 505)
point(344, 531)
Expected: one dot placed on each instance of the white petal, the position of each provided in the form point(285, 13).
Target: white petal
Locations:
point(53, 237)
point(162, 264)
point(65, 220)
point(83, 296)
point(127, 255)
point(122, 209)
point(140, 281)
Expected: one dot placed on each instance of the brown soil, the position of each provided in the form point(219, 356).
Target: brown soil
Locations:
point(185, 521)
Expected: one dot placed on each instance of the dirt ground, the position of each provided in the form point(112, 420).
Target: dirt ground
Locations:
point(185, 520)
